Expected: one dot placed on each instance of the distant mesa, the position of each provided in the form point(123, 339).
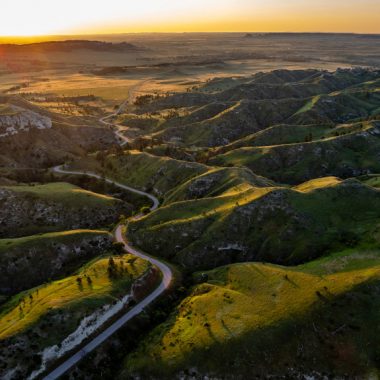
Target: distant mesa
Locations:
point(70, 45)
point(254, 35)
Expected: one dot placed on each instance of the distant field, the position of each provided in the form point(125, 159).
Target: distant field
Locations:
point(80, 85)
point(109, 93)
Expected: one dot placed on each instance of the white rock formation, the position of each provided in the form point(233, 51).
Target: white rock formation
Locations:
point(22, 120)
point(87, 326)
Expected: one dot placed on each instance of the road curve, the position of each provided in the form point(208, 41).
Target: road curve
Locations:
point(167, 277)
point(60, 169)
point(118, 132)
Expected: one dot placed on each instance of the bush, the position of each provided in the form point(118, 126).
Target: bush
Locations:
point(145, 210)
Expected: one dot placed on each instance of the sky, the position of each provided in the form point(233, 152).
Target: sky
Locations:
point(53, 17)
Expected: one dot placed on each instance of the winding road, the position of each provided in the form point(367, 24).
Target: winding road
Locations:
point(118, 132)
point(119, 128)
point(167, 277)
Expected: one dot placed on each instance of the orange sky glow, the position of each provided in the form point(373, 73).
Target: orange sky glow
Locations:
point(48, 17)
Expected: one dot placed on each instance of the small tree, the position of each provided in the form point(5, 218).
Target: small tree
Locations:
point(145, 210)
point(112, 269)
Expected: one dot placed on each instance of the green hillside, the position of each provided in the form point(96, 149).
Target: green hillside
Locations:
point(30, 209)
point(215, 182)
point(141, 170)
point(269, 212)
point(29, 261)
point(227, 109)
point(46, 315)
point(237, 120)
point(348, 155)
point(272, 224)
point(263, 320)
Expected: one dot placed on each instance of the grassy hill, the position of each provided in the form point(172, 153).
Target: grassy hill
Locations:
point(261, 320)
point(66, 292)
point(44, 316)
point(348, 155)
point(279, 135)
point(29, 261)
point(228, 109)
point(55, 206)
point(339, 107)
point(33, 146)
point(216, 181)
point(143, 171)
point(372, 180)
point(281, 84)
point(285, 134)
point(271, 190)
point(274, 224)
point(237, 120)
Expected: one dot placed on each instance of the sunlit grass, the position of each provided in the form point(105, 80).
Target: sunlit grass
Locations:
point(62, 192)
point(243, 298)
point(49, 237)
point(91, 282)
point(317, 184)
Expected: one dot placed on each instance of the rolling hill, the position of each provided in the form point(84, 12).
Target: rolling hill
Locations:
point(348, 155)
point(261, 222)
point(31, 136)
point(217, 114)
point(258, 320)
point(46, 320)
point(31, 260)
point(55, 206)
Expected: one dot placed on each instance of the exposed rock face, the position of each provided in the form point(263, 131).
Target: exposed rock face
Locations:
point(18, 120)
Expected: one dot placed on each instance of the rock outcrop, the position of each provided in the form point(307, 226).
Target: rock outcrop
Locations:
point(17, 119)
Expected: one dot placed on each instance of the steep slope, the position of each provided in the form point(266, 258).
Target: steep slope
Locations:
point(142, 170)
point(36, 325)
point(282, 134)
point(265, 321)
point(235, 121)
point(55, 206)
point(212, 117)
point(281, 84)
point(215, 182)
point(272, 224)
point(349, 155)
point(29, 261)
point(31, 136)
point(338, 107)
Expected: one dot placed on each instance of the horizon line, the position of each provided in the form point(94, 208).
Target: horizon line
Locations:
point(182, 32)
